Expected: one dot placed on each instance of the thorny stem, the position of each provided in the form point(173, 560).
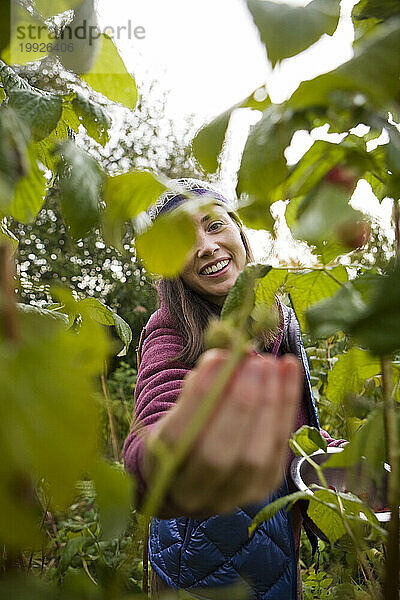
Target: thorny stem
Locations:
point(391, 581)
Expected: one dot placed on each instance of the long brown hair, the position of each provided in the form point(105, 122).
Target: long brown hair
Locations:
point(191, 312)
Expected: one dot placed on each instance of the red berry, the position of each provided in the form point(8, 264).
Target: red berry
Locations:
point(353, 235)
point(342, 176)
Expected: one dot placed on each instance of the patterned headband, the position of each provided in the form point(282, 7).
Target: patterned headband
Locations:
point(171, 199)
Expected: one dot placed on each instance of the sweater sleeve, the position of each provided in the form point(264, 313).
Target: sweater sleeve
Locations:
point(158, 386)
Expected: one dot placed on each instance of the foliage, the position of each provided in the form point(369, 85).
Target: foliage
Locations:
point(51, 375)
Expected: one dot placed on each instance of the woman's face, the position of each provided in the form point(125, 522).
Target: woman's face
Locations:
point(217, 258)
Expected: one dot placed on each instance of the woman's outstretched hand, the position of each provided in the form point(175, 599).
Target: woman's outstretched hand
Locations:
point(238, 457)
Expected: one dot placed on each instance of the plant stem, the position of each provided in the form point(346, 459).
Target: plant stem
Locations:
point(8, 308)
point(396, 219)
point(391, 582)
point(114, 439)
point(365, 568)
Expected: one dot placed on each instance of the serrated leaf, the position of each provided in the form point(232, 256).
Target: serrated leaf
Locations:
point(29, 192)
point(378, 328)
point(110, 77)
point(337, 313)
point(80, 180)
point(165, 245)
point(268, 286)
point(93, 118)
point(309, 439)
point(126, 196)
point(242, 296)
point(287, 30)
point(349, 373)
point(366, 443)
point(308, 288)
point(377, 59)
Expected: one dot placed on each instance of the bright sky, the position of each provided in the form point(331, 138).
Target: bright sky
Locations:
point(208, 55)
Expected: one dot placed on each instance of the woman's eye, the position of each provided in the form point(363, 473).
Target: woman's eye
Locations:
point(214, 226)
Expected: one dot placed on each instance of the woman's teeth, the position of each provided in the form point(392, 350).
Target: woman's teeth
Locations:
point(215, 268)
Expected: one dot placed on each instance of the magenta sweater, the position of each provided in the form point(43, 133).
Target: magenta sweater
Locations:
point(157, 389)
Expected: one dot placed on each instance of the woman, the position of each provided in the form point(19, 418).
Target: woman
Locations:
point(199, 540)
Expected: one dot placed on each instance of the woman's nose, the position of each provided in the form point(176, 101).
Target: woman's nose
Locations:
point(206, 245)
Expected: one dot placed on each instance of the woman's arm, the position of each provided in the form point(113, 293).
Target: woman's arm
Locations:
point(238, 456)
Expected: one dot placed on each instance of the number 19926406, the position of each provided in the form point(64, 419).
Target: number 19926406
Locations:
point(42, 47)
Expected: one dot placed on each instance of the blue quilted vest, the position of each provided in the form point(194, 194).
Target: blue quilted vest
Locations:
point(197, 555)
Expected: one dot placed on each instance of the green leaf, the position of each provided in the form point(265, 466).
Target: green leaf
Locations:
point(124, 332)
point(310, 287)
point(13, 155)
point(25, 29)
point(165, 245)
point(263, 166)
point(325, 215)
point(321, 511)
point(337, 313)
point(83, 38)
point(349, 373)
point(126, 196)
point(272, 508)
point(256, 214)
point(242, 296)
point(269, 285)
point(94, 309)
point(377, 60)
point(379, 327)
point(207, 143)
point(287, 30)
point(114, 497)
point(51, 416)
point(376, 9)
point(93, 118)
point(80, 183)
point(367, 443)
point(43, 312)
point(74, 546)
point(29, 192)
point(309, 439)
point(110, 77)
point(40, 110)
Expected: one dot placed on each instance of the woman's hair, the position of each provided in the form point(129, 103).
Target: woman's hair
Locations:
point(191, 312)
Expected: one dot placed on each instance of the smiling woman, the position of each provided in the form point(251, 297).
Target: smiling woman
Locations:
point(199, 539)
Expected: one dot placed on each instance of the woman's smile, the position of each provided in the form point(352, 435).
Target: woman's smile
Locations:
point(218, 257)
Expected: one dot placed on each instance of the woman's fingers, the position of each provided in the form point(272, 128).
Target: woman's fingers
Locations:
point(237, 458)
point(259, 469)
